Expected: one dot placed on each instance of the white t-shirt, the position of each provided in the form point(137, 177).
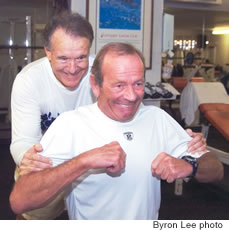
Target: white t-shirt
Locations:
point(132, 194)
point(37, 99)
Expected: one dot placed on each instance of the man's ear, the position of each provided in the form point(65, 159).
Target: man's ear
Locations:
point(48, 53)
point(95, 87)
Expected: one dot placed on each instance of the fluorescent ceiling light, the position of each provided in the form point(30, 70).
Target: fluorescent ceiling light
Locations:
point(222, 30)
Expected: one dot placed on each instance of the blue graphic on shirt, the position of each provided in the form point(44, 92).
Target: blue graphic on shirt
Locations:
point(47, 120)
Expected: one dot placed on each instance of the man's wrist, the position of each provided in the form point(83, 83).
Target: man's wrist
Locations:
point(193, 162)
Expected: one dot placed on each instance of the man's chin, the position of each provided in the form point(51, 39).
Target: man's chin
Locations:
point(127, 118)
point(71, 84)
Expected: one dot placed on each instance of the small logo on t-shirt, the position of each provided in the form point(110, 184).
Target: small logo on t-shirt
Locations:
point(129, 136)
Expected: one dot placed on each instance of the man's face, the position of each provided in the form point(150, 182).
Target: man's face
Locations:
point(68, 56)
point(122, 89)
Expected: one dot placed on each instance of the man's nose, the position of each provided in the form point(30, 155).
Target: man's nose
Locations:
point(130, 94)
point(72, 66)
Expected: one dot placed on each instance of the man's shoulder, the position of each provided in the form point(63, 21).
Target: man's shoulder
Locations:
point(35, 65)
point(84, 110)
point(65, 118)
point(148, 109)
point(151, 113)
point(78, 111)
point(33, 73)
point(77, 116)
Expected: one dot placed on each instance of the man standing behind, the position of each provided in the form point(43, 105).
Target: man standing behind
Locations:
point(48, 87)
point(113, 153)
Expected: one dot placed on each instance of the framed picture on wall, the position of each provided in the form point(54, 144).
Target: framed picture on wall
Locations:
point(122, 21)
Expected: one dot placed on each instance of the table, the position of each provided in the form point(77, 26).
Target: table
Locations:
point(157, 101)
point(196, 93)
point(170, 88)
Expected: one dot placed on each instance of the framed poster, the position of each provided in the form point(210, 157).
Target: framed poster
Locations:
point(122, 21)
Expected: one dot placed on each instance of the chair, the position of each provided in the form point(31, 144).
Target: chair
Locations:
point(179, 83)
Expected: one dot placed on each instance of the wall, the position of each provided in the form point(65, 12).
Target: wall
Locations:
point(216, 51)
point(192, 23)
point(210, 7)
point(153, 75)
point(41, 10)
point(79, 7)
point(16, 13)
point(12, 15)
point(221, 42)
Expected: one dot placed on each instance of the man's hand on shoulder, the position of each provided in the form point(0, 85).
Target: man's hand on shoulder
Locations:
point(32, 161)
point(198, 142)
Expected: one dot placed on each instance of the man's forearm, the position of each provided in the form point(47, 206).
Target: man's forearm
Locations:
point(210, 168)
point(36, 189)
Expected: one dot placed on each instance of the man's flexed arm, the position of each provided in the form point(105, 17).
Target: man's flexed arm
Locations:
point(168, 168)
point(36, 189)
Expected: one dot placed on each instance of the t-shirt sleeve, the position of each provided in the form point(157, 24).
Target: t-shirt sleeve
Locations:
point(57, 141)
point(176, 138)
point(25, 119)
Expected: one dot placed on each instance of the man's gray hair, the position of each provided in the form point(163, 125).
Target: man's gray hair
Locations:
point(73, 23)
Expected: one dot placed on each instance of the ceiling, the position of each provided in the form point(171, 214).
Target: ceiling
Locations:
point(23, 3)
point(197, 19)
point(193, 16)
point(198, 16)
